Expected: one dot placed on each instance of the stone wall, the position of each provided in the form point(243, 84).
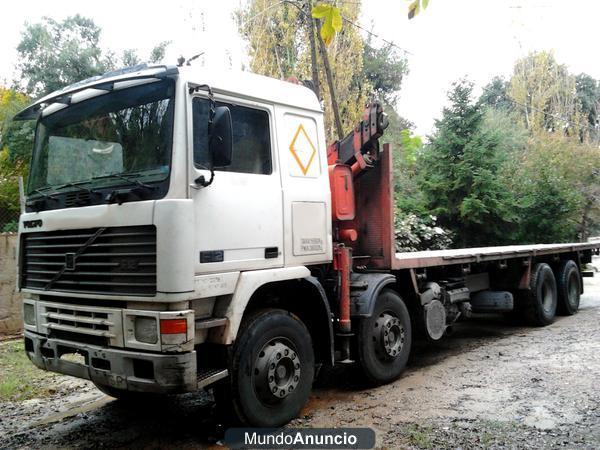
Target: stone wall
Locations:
point(10, 301)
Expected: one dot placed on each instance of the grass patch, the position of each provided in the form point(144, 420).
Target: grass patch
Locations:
point(418, 436)
point(19, 378)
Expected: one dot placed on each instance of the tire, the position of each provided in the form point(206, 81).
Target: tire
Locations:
point(273, 352)
point(568, 284)
point(381, 359)
point(541, 299)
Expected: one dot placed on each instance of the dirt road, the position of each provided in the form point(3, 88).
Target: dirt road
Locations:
point(488, 385)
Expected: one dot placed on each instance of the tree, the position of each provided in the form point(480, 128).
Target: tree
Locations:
point(54, 54)
point(588, 94)
point(458, 173)
point(15, 137)
point(495, 95)
point(384, 69)
point(544, 92)
point(278, 39)
point(554, 187)
point(15, 146)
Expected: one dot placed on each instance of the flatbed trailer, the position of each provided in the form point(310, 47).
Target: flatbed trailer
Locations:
point(436, 258)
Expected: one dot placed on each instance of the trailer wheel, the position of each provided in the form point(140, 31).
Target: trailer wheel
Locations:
point(384, 339)
point(272, 370)
point(568, 283)
point(541, 299)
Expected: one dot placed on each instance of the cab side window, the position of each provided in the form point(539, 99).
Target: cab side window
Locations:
point(251, 138)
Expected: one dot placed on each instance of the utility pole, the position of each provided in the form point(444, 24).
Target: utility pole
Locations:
point(313, 49)
point(334, 105)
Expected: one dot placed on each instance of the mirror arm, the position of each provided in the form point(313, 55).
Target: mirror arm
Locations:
point(211, 99)
point(202, 181)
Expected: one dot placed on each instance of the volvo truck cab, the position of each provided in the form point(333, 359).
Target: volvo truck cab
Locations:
point(160, 200)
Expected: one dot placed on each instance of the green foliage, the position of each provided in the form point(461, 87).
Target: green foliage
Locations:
point(410, 146)
point(279, 46)
point(14, 136)
point(414, 233)
point(543, 182)
point(588, 94)
point(53, 54)
point(495, 95)
point(19, 379)
point(9, 185)
point(385, 70)
point(405, 148)
point(332, 20)
point(458, 173)
point(545, 95)
point(416, 6)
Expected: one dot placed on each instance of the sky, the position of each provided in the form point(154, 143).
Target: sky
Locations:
point(477, 39)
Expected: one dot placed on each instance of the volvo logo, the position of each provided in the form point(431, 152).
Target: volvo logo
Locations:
point(70, 260)
point(32, 223)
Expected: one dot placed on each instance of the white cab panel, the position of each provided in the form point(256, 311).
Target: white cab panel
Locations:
point(309, 228)
point(305, 181)
point(174, 270)
point(239, 216)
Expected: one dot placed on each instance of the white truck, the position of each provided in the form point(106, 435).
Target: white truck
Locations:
point(186, 229)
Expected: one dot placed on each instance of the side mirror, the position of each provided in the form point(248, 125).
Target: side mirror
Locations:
point(220, 140)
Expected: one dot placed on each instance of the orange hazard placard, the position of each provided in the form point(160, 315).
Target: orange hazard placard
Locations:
point(303, 149)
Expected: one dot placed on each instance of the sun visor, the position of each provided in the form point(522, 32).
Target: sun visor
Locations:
point(102, 83)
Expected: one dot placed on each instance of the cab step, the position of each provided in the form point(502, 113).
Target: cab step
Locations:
point(209, 376)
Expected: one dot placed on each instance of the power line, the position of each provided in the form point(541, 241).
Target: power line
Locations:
point(354, 24)
point(390, 43)
point(565, 120)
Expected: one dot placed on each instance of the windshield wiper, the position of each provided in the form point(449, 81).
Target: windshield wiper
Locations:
point(128, 179)
point(39, 191)
point(117, 194)
point(77, 186)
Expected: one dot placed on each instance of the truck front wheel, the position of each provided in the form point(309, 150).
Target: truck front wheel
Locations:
point(271, 370)
point(384, 339)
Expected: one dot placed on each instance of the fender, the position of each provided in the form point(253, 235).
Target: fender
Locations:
point(365, 288)
point(247, 284)
point(315, 282)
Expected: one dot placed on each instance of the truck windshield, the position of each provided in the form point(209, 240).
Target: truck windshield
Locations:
point(125, 134)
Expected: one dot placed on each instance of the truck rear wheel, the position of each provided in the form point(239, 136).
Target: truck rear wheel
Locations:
point(384, 339)
point(272, 370)
point(568, 283)
point(541, 298)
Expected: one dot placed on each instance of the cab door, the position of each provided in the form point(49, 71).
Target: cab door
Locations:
point(238, 218)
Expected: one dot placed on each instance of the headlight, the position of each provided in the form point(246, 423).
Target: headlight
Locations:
point(145, 330)
point(28, 314)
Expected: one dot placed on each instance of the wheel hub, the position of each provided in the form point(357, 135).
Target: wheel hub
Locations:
point(388, 335)
point(277, 371)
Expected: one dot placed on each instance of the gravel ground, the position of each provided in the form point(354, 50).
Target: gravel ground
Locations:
point(489, 385)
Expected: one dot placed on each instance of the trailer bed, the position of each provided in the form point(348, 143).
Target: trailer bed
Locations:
point(415, 260)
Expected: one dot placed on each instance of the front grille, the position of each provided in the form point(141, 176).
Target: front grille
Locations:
point(117, 261)
point(92, 325)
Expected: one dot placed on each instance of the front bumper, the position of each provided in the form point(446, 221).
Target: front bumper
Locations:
point(121, 369)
